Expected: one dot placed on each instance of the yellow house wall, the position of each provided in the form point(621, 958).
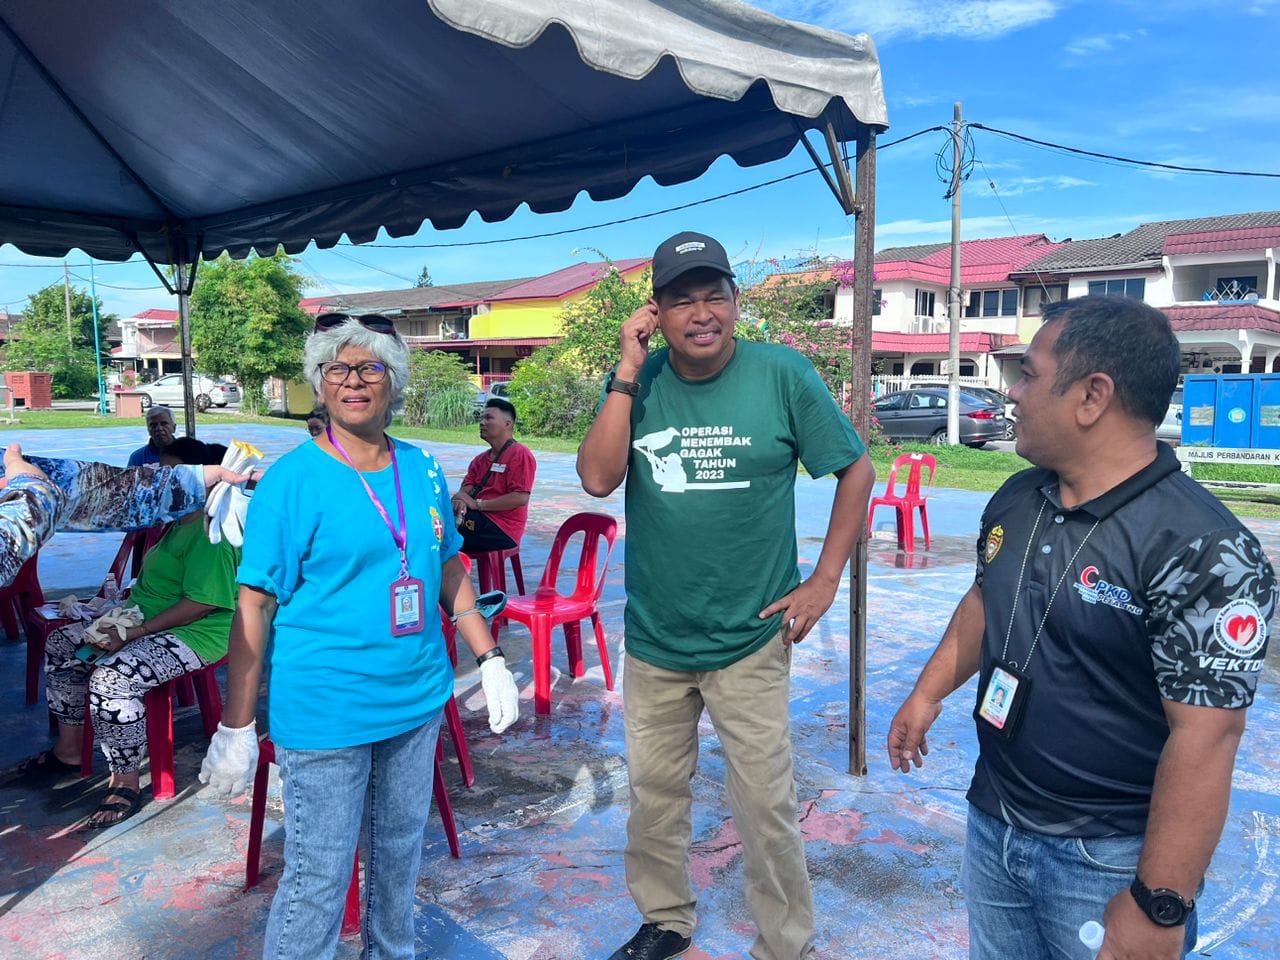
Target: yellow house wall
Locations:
point(528, 318)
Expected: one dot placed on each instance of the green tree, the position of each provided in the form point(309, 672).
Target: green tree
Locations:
point(591, 325)
point(424, 279)
point(794, 310)
point(440, 389)
point(41, 342)
point(245, 321)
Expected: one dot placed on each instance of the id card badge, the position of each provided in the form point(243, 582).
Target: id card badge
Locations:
point(406, 606)
point(1001, 705)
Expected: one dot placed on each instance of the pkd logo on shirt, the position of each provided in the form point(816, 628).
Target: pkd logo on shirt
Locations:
point(437, 525)
point(995, 540)
point(1240, 628)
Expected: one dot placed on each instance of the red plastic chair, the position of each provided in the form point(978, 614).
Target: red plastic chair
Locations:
point(912, 499)
point(20, 596)
point(452, 717)
point(547, 609)
point(493, 576)
point(158, 703)
point(42, 618)
point(351, 906)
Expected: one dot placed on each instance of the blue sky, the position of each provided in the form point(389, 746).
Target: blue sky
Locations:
point(1180, 81)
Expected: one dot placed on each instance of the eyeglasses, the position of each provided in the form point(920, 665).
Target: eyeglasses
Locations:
point(370, 321)
point(335, 371)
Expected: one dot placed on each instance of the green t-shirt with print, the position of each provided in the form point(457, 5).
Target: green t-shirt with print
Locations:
point(185, 564)
point(710, 501)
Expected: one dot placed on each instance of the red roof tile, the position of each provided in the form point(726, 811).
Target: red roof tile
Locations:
point(937, 342)
point(1212, 241)
point(564, 283)
point(166, 316)
point(981, 261)
point(1223, 316)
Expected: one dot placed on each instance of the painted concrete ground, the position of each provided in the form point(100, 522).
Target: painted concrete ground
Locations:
point(542, 829)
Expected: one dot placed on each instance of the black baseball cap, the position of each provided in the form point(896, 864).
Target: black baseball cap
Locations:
point(688, 251)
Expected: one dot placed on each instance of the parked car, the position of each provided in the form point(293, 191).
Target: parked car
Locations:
point(921, 414)
point(498, 389)
point(1170, 429)
point(209, 392)
point(992, 395)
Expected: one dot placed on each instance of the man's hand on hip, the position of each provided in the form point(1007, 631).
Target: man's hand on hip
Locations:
point(802, 608)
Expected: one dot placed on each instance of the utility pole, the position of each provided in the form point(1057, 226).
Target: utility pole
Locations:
point(953, 294)
point(66, 295)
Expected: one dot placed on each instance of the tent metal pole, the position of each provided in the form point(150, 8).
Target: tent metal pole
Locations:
point(184, 332)
point(860, 413)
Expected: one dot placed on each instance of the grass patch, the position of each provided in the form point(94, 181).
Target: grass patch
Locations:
point(959, 468)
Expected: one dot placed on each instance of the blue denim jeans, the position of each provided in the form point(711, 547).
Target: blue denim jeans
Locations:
point(1029, 893)
point(325, 793)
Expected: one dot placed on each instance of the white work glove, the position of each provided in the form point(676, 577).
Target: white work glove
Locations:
point(500, 691)
point(232, 761)
point(227, 502)
point(112, 626)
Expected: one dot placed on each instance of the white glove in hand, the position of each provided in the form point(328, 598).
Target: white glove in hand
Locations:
point(226, 503)
point(232, 761)
point(500, 691)
point(112, 626)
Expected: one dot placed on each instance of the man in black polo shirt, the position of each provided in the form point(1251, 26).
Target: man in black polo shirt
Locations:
point(1118, 625)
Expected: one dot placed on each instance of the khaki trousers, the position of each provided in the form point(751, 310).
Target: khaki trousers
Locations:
point(749, 704)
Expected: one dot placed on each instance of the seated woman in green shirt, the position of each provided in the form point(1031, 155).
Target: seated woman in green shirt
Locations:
point(186, 592)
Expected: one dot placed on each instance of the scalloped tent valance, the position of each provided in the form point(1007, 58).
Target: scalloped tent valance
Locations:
point(179, 129)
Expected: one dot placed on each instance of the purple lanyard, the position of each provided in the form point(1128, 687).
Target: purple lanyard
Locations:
point(399, 535)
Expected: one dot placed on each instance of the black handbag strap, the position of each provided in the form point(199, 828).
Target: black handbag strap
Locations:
point(475, 490)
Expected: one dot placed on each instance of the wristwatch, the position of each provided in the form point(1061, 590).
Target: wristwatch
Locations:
point(630, 388)
point(1164, 907)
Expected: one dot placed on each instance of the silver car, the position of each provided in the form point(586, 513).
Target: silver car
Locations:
point(209, 392)
point(921, 414)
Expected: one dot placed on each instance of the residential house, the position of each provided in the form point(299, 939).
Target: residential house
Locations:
point(1214, 277)
point(492, 324)
point(909, 304)
point(149, 344)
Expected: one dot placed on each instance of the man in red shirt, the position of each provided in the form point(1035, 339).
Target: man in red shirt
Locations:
point(492, 506)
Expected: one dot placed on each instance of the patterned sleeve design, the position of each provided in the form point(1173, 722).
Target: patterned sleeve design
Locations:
point(29, 508)
point(103, 497)
point(1210, 607)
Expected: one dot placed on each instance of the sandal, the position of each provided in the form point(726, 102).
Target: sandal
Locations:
point(42, 770)
point(129, 803)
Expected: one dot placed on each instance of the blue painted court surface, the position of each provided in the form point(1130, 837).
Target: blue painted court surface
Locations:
point(543, 828)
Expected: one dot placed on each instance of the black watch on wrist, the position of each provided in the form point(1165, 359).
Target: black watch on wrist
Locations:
point(630, 388)
point(1164, 907)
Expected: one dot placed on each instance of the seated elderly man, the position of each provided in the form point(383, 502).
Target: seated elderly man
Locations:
point(160, 430)
point(185, 594)
point(492, 506)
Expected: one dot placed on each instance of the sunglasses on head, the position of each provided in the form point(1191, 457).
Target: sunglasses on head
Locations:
point(370, 321)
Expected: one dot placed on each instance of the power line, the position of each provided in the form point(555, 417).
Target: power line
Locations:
point(1111, 156)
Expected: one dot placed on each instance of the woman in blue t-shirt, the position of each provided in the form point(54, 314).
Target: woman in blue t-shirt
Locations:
point(347, 553)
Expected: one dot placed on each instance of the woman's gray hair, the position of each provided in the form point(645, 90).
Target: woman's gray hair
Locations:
point(325, 345)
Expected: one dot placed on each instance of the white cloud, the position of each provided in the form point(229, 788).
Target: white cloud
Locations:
point(915, 19)
point(1017, 186)
point(1088, 46)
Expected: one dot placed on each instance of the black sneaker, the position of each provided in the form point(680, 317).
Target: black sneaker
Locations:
point(652, 943)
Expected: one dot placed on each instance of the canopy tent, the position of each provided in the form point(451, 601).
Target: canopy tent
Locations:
point(177, 128)
point(182, 130)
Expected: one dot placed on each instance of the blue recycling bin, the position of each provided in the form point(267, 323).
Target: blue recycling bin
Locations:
point(1236, 410)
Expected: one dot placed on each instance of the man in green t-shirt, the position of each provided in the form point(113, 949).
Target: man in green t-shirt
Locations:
point(707, 434)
